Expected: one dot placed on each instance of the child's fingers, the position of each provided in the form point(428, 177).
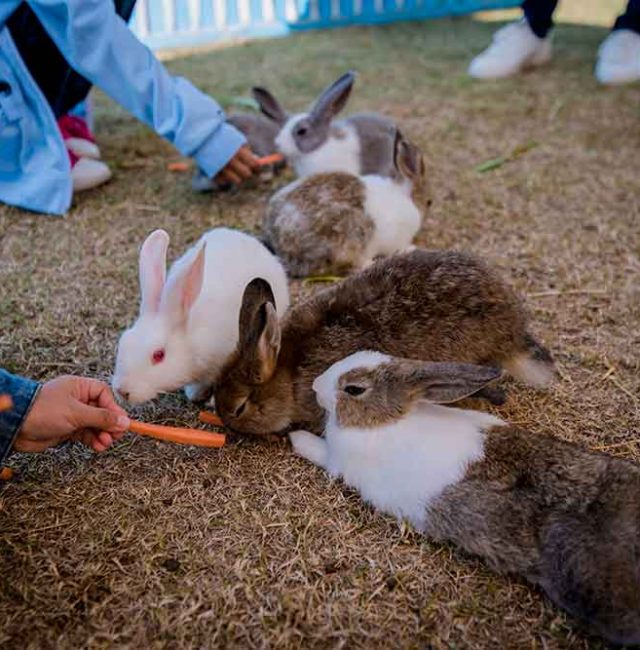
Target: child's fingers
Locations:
point(90, 417)
point(230, 176)
point(244, 171)
point(246, 156)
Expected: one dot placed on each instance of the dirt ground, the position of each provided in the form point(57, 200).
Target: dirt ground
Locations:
point(151, 545)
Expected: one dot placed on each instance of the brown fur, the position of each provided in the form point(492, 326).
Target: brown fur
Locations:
point(321, 225)
point(565, 518)
point(391, 389)
point(429, 305)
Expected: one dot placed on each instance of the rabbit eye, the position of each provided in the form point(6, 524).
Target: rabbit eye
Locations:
point(240, 410)
point(157, 356)
point(302, 131)
point(354, 390)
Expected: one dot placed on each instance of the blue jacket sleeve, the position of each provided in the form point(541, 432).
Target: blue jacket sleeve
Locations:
point(22, 392)
point(101, 47)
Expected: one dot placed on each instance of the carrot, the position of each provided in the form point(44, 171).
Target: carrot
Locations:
point(178, 166)
point(5, 402)
point(6, 474)
point(177, 434)
point(272, 159)
point(207, 417)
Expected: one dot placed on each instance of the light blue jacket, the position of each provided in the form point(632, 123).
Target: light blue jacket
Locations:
point(34, 165)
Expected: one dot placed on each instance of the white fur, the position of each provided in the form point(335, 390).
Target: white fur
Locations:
point(530, 371)
point(335, 155)
point(196, 348)
point(399, 467)
point(396, 217)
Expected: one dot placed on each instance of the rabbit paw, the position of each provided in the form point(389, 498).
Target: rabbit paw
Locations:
point(309, 446)
point(197, 392)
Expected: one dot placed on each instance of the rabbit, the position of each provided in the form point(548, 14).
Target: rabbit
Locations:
point(431, 305)
point(261, 133)
point(188, 324)
point(315, 143)
point(337, 222)
point(566, 519)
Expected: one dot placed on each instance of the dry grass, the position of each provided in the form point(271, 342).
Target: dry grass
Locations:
point(151, 545)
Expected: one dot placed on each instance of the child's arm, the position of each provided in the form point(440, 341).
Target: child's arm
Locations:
point(101, 47)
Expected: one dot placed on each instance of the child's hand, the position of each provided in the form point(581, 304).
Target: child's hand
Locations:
point(72, 408)
point(239, 169)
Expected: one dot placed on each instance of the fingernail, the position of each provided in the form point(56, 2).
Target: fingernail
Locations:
point(123, 422)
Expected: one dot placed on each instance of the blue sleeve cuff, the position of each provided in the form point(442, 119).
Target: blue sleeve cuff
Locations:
point(219, 149)
point(22, 392)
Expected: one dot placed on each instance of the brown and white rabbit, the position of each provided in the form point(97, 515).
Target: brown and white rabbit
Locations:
point(314, 142)
point(431, 305)
point(337, 222)
point(565, 518)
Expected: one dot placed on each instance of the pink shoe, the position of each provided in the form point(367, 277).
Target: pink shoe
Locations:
point(78, 137)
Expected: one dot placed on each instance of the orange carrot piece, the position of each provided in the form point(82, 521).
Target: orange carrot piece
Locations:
point(6, 474)
point(5, 402)
point(177, 434)
point(272, 159)
point(207, 417)
point(178, 166)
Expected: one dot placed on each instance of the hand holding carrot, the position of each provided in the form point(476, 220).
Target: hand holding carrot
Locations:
point(72, 408)
point(239, 169)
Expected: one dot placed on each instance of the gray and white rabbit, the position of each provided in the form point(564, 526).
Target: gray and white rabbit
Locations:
point(431, 305)
point(336, 222)
point(314, 142)
point(565, 518)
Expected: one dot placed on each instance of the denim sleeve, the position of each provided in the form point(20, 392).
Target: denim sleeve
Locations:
point(22, 392)
point(100, 46)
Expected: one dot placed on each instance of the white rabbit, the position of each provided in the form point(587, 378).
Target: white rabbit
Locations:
point(188, 324)
point(565, 518)
point(315, 143)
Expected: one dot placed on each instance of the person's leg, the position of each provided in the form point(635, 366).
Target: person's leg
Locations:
point(630, 19)
point(60, 84)
point(619, 54)
point(539, 15)
point(520, 45)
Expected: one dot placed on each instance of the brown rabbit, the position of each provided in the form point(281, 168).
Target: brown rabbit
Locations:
point(338, 222)
point(565, 518)
point(432, 305)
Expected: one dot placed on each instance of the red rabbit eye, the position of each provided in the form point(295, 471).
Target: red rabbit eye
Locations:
point(158, 356)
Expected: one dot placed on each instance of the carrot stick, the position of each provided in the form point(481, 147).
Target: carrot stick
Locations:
point(272, 159)
point(6, 473)
point(207, 417)
point(5, 402)
point(178, 166)
point(177, 434)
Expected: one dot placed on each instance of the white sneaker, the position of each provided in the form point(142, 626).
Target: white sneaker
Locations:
point(513, 49)
point(88, 173)
point(619, 58)
point(83, 148)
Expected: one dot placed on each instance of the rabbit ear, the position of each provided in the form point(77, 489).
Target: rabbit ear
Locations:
point(443, 383)
point(269, 105)
point(185, 287)
point(333, 99)
point(259, 330)
point(152, 270)
point(407, 158)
